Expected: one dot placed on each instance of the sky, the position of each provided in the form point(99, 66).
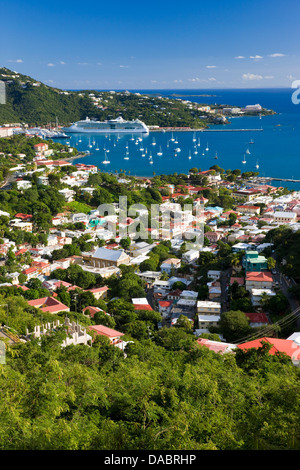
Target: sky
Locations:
point(115, 45)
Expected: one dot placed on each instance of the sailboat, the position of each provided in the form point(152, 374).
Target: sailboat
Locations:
point(194, 137)
point(251, 141)
point(153, 141)
point(195, 151)
point(216, 156)
point(198, 144)
point(257, 165)
point(207, 148)
point(248, 151)
point(90, 145)
point(244, 161)
point(190, 155)
point(150, 159)
point(160, 151)
point(105, 161)
point(172, 138)
point(132, 138)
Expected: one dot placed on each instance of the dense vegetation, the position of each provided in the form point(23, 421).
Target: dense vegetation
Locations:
point(34, 103)
point(168, 393)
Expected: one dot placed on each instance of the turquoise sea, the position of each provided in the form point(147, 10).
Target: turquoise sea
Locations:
point(275, 148)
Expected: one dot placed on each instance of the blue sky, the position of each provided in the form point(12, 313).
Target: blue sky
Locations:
point(153, 45)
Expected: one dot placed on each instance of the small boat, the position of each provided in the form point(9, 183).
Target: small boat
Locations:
point(190, 155)
point(105, 162)
point(196, 151)
point(251, 141)
point(198, 144)
point(172, 138)
point(216, 156)
point(194, 137)
point(177, 150)
point(153, 141)
point(248, 151)
point(160, 152)
point(257, 165)
point(244, 161)
point(132, 138)
point(207, 148)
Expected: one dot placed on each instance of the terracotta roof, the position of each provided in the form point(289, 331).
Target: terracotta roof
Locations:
point(104, 330)
point(286, 346)
point(260, 276)
point(257, 317)
point(215, 346)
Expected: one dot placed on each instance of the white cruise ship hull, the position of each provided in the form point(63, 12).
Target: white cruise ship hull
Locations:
point(81, 130)
point(113, 126)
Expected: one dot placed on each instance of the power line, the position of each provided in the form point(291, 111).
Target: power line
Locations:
point(284, 321)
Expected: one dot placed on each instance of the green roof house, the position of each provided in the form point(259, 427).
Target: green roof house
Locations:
point(252, 261)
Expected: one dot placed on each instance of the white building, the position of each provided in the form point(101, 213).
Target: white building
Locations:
point(207, 307)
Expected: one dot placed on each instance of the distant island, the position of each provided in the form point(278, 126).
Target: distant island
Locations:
point(30, 102)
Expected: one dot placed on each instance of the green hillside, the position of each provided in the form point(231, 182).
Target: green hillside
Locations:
point(32, 102)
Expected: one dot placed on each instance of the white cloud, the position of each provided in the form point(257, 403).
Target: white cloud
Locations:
point(277, 54)
point(62, 62)
point(99, 63)
point(240, 57)
point(82, 63)
point(19, 61)
point(124, 66)
point(256, 57)
point(50, 64)
point(211, 66)
point(252, 76)
point(177, 81)
point(200, 80)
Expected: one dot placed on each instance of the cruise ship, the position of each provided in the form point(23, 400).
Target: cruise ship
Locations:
point(118, 125)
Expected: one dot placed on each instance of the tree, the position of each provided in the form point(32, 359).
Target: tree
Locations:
point(271, 263)
point(234, 325)
point(125, 243)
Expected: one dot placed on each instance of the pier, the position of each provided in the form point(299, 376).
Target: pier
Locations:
point(271, 178)
point(187, 129)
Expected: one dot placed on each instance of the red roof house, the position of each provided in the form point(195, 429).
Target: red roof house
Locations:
point(286, 346)
point(113, 335)
point(49, 304)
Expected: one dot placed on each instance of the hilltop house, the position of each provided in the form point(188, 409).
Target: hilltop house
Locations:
point(252, 261)
point(103, 258)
